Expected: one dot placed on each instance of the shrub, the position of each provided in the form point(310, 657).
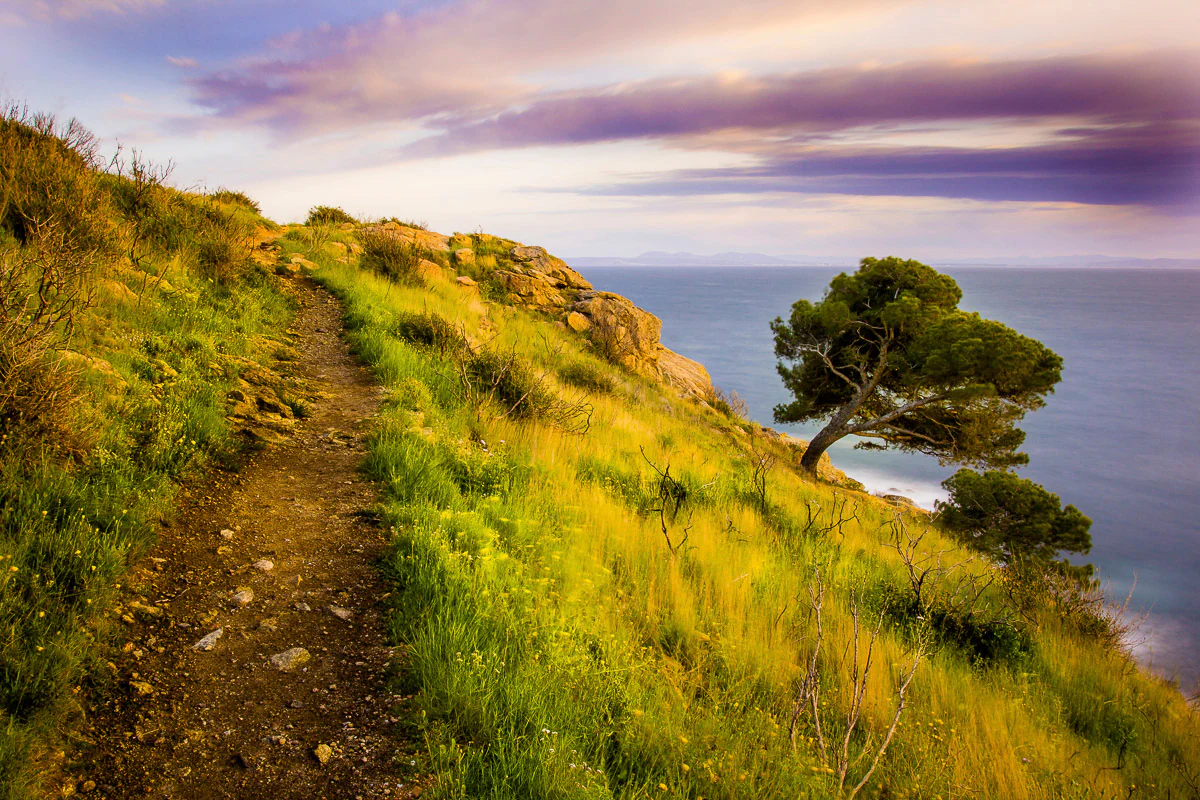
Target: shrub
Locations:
point(222, 255)
point(328, 215)
point(48, 182)
point(429, 330)
point(587, 376)
point(508, 379)
point(236, 198)
point(57, 235)
point(730, 404)
point(983, 636)
point(391, 256)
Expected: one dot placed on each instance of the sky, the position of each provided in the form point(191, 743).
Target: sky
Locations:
point(930, 129)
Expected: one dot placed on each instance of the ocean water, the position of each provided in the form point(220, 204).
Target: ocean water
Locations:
point(1120, 438)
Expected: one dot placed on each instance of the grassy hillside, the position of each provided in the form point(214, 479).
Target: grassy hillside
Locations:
point(579, 624)
point(127, 310)
point(601, 588)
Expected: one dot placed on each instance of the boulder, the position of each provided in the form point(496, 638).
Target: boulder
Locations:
point(533, 291)
point(291, 659)
point(464, 255)
point(688, 376)
point(429, 271)
point(299, 263)
point(529, 260)
point(578, 322)
point(625, 334)
point(465, 282)
point(429, 239)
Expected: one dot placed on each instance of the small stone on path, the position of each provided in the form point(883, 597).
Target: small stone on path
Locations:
point(340, 612)
point(227, 534)
point(263, 565)
point(323, 753)
point(209, 641)
point(289, 660)
point(302, 607)
point(143, 610)
point(242, 597)
point(142, 687)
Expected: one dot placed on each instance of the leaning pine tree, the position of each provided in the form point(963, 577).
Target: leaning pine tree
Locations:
point(888, 356)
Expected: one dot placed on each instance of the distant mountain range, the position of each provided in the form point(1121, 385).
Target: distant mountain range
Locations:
point(658, 258)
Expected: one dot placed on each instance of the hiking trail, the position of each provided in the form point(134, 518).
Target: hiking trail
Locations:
point(278, 555)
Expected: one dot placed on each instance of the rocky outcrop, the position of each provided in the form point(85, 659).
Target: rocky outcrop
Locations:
point(629, 336)
point(531, 291)
point(536, 261)
point(429, 239)
point(688, 376)
point(539, 280)
point(624, 333)
point(255, 407)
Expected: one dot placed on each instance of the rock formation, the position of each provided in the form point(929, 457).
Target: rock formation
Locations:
point(625, 334)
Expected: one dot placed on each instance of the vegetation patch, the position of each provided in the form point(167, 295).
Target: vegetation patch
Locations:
point(329, 215)
point(589, 376)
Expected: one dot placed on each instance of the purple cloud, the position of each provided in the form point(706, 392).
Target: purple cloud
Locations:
point(1118, 130)
point(1108, 90)
point(1158, 166)
point(468, 59)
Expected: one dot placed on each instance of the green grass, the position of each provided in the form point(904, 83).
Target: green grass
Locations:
point(556, 648)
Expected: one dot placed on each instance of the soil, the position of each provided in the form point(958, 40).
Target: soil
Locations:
point(229, 722)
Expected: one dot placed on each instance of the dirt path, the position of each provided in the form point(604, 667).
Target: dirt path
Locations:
point(233, 721)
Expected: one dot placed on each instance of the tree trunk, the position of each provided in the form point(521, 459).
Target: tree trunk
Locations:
point(819, 444)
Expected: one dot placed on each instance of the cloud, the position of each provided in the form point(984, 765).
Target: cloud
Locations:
point(183, 61)
point(1106, 130)
point(469, 58)
point(1156, 166)
point(814, 104)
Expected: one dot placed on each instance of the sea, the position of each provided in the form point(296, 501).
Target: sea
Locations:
point(1119, 438)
